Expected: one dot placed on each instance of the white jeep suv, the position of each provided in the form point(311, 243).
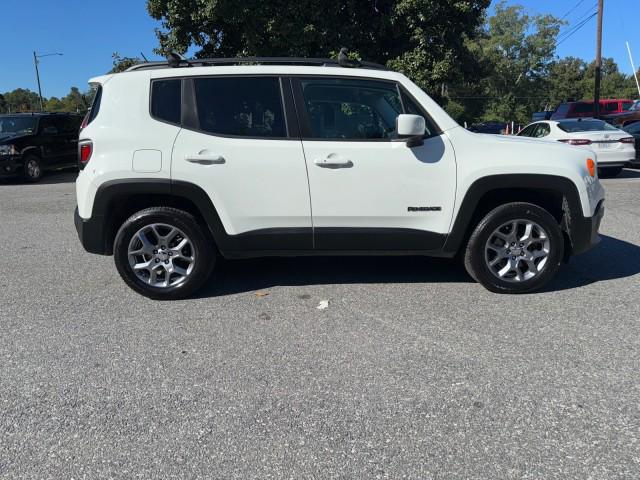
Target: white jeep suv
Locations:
point(183, 161)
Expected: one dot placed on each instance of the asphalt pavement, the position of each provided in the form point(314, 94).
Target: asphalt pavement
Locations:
point(411, 371)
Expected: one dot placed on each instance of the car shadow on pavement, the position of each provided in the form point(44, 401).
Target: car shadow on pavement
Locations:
point(611, 259)
point(629, 173)
point(49, 178)
point(239, 276)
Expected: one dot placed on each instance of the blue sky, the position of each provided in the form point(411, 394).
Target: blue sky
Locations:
point(87, 33)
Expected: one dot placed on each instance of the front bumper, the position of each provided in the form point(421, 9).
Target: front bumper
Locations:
point(10, 165)
point(91, 233)
point(584, 230)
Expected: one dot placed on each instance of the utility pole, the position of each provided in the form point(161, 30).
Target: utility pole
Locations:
point(35, 61)
point(596, 95)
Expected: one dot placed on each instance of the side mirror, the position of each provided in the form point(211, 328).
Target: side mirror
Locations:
point(410, 129)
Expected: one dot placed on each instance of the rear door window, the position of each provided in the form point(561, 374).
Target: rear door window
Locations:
point(67, 124)
point(241, 106)
point(166, 100)
point(582, 107)
point(48, 126)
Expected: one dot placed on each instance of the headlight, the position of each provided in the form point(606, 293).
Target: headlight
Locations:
point(8, 150)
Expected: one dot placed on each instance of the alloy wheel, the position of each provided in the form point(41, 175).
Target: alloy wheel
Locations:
point(161, 255)
point(517, 251)
point(33, 168)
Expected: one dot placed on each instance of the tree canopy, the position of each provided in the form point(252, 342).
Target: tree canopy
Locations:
point(423, 38)
point(23, 100)
point(479, 67)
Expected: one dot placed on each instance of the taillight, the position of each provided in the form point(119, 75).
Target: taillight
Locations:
point(85, 150)
point(628, 140)
point(576, 141)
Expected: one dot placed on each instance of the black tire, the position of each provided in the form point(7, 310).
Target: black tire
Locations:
point(609, 172)
point(476, 262)
point(203, 253)
point(32, 169)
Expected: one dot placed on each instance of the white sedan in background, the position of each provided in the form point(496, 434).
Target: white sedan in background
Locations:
point(615, 148)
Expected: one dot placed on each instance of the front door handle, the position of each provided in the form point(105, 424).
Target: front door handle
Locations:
point(333, 161)
point(205, 158)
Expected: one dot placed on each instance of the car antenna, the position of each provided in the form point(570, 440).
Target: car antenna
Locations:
point(345, 61)
point(175, 59)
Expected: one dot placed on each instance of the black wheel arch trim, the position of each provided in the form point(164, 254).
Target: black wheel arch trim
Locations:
point(574, 223)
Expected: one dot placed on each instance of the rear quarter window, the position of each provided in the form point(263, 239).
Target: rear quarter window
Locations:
point(166, 100)
point(241, 106)
point(95, 106)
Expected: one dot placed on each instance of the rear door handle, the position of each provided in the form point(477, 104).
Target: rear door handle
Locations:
point(205, 158)
point(333, 161)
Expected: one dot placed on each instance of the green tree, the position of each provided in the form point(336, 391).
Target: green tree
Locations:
point(22, 100)
point(566, 81)
point(516, 52)
point(75, 101)
point(54, 105)
point(120, 64)
point(422, 38)
point(613, 83)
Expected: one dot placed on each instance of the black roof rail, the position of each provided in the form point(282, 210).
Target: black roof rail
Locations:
point(212, 62)
point(41, 112)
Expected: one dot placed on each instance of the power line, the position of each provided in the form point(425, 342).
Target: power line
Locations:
point(572, 9)
point(578, 22)
point(576, 28)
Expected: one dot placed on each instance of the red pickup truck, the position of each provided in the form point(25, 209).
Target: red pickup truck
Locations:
point(585, 108)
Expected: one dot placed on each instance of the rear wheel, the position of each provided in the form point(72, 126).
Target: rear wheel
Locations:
point(32, 169)
point(516, 248)
point(609, 172)
point(163, 253)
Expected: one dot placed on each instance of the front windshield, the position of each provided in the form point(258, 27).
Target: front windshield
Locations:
point(585, 126)
point(18, 125)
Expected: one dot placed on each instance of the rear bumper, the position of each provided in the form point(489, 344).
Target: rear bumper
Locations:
point(584, 232)
point(91, 233)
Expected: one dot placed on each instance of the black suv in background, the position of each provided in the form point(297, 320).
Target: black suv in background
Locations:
point(32, 143)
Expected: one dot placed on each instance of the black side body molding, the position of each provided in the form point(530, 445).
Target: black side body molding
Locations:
point(116, 199)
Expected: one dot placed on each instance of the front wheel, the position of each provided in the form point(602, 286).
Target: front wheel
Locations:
point(32, 169)
point(516, 248)
point(163, 253)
